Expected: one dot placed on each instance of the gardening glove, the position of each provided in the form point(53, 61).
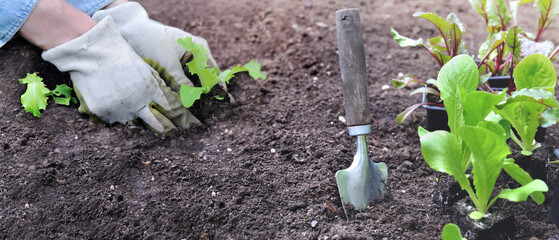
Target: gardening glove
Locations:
point(114, 84)
point(155, 42)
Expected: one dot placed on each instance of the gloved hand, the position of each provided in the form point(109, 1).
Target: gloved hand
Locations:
point(114, 84)
point(153, 40)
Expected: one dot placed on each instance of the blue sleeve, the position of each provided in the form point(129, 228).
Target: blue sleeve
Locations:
point(89, 7)
point(13, 14)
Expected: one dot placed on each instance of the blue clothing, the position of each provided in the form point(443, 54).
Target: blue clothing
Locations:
point(13, 13)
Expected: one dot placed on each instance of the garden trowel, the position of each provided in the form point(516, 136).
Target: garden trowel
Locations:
point(364, 181)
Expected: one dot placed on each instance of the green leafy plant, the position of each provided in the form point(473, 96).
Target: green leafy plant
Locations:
point(442, 47)
point(477, 140)
point(210, 76)
point(451, 231)
point(36, 95)
point(506, 44)
point(535, 78)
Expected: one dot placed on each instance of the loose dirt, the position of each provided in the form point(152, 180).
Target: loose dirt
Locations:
point(262, 168)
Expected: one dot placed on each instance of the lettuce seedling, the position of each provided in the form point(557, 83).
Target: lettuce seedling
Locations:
point(475, 141)
point(36, 95)
point(535, 78)
point(451, 231)
point(209, 77)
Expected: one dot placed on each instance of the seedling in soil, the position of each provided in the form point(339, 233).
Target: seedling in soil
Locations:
point(505, 46)
point(442, 48)
point(451, 231)
point(36, 95)
point(533, 102)
point(209, 77)
point(517, 44)
point(475, 140)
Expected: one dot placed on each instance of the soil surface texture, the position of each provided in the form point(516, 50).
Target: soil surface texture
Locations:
point(261, 168)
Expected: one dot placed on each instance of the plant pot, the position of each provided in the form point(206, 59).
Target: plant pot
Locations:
point(540, 134)
point(448, 193)
point(554, 208)
point(499, 82)
point(496, 225)
point(437, 118)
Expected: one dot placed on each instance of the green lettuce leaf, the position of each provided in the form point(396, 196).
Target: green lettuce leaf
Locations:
point(443, 152)
point(521, 194)
point(535, 70)
point(35, 97)
point(489, 151)
point(189, 95)
point(477, 105)
point(451, 231)
point(62, 95)
point(522, 177)
point(459, 76)
point(209, 77)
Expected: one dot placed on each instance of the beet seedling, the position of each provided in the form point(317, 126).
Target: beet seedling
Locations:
point(499, 58)
point(209, 77)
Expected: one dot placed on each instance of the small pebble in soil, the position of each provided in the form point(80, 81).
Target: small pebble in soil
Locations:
point(342, 119)
point(385, 87)
point(322, 25)
point(273, 150)
point(297, 160)
point(313, 223)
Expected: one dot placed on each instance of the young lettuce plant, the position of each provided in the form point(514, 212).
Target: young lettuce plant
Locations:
point(535, 79)
point(209, 77)
point(475, 140)
point(36, 95)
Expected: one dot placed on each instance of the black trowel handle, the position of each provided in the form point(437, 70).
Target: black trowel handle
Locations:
point(352, 66)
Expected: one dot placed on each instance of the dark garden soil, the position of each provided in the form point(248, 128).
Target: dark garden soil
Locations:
point(262, 168)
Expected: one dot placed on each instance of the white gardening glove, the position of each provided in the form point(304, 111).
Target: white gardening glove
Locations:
point(153, 40)
point(114, 84)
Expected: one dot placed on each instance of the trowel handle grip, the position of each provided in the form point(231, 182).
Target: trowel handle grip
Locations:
point(352, 67)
